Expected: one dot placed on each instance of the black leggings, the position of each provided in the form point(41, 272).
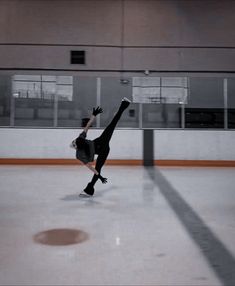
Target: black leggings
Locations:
point(102, 143)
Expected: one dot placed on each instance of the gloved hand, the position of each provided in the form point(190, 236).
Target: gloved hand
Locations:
point(103, 180)
point(97, 110)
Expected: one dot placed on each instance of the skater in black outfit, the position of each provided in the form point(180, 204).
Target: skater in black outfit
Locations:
point(86, 149)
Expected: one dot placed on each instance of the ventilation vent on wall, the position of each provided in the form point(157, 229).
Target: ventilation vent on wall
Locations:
point(77, 57)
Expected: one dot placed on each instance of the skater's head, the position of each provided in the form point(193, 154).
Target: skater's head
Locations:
point(80, 144)
point(73, 144)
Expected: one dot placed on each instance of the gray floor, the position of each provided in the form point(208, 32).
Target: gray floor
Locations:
point(147, 226)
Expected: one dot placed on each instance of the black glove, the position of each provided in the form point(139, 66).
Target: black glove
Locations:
point(103, 180)
point(97, 110)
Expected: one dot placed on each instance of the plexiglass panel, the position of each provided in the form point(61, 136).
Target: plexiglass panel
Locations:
point(158, 102)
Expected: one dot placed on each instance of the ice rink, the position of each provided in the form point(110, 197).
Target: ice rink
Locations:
point(147, 226)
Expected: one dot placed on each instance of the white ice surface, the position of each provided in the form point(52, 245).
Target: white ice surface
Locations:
point(135, 238)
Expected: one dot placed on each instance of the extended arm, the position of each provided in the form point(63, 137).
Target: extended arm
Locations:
point(92, 118)
point(95, 112)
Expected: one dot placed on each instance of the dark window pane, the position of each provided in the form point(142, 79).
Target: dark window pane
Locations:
point(205, 107)
point(5, 99)
point(231, 103)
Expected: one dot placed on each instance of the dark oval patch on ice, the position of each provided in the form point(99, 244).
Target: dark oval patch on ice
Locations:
point(62, 236)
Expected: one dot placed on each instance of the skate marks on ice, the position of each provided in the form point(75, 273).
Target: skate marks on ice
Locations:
point(102, 198)
point(99, 193)
point(215, 252)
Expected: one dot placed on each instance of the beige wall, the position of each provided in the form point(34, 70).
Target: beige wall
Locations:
point(172, 35)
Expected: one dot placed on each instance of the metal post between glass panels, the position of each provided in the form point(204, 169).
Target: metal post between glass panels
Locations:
point(225, 103)
point(12, 110)
point(182, 116)
point(98, 98)
point(140, 115)
point(55, 99)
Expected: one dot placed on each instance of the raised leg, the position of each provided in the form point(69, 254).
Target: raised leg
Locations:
point(106, 136)
point(102, 145)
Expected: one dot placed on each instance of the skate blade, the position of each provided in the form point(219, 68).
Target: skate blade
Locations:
point(126, 99)
point(84, 195)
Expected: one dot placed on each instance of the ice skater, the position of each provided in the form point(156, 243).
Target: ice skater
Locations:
point(87, 149)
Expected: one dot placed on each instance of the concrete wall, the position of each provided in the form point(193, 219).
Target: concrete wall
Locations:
point(159, 35)
point(125, 144)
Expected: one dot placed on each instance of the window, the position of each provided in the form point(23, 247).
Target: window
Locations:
point(35, 99)
point(172, 90)
point(42, 87)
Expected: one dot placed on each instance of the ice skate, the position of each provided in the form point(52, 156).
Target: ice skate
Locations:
point(125, 103)
point(84, 195)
